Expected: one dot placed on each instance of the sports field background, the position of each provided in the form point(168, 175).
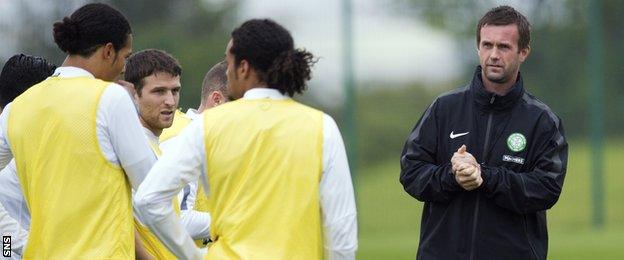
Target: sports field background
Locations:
point(390, 218)
point(557, 71)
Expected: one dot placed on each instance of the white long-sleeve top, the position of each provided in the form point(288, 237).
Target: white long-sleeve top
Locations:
point(119, 132)
point(10, 227)
point(11, 196)
point(197, 223)
point(186, 162)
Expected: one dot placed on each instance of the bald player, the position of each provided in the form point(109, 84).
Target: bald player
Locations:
point(195, 215)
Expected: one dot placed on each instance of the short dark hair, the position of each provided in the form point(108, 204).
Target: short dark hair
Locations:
point(269, 49)
point(215, 79)
point(90, 27)
point(505, 15)
point(21, 72)
point(147, 62)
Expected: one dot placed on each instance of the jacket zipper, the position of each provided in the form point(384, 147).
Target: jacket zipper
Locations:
point(476, 212)
point(526, 232)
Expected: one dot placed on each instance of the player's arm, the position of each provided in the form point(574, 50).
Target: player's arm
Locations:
point(123, 129)
point(337, 196)
point(10, 227)
point(421, 176)
point(182, 164)
point(5, 150)
point(538, 189)
point(197, 223)
point(11, 195)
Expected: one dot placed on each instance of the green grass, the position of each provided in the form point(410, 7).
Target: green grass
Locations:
point(389, 219)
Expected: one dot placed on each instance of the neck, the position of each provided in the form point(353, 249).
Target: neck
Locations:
point(80, 62)
point(500, 89)
point(255, 85)
point(154, 131)
point(202, 105)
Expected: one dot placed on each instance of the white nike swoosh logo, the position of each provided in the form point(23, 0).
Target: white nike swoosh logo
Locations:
point(453, 136)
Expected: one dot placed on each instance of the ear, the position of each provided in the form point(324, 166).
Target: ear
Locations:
point(244, 69)
point(216, 97)
point(524, 53)
point(108, 51)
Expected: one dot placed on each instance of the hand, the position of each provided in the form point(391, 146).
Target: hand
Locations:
point(468, 176)
point(462, 156)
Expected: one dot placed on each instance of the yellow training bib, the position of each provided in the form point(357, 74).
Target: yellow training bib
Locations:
point(79, 203)
point(264, 165)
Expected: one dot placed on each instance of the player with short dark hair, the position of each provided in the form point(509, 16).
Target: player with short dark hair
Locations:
point(21, 72)
point(155, 76)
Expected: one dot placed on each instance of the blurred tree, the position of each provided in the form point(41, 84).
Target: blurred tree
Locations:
point(556, 69)
point(194, 31)
point(385, 118)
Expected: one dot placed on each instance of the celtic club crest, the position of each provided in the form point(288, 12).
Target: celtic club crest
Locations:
point(516, 142)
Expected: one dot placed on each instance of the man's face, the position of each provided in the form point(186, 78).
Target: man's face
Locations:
point(234, 85)
point(158, 101)
point(118, 64)
point(499, 54)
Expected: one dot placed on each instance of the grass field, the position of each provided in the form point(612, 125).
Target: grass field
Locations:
point(389, 219)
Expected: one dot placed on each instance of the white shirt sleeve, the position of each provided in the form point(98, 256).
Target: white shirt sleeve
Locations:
point(197, 223)
point(153, 198)
point(337, 196)
point(5, 150)
point(10, 227)
point(121, 136)
point(11, 196)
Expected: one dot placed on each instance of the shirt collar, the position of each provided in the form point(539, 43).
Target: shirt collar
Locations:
point(192, 113)
point(70, 72)
point(259, 93)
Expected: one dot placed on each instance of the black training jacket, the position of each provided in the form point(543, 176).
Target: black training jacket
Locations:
point(523, 153)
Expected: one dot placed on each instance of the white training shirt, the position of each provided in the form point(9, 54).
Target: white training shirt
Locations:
point(11, 196)
point(186, 161)
point(10, 227)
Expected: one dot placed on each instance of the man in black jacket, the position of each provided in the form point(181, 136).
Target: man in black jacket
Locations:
point(487, 159)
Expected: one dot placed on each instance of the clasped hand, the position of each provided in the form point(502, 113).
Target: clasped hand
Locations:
point(466, 169)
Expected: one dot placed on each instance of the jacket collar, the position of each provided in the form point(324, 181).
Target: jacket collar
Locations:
point(489, 101)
